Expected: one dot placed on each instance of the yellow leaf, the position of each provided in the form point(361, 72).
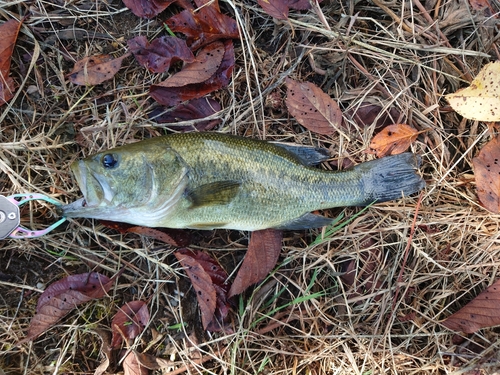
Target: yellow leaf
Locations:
point(481, 100)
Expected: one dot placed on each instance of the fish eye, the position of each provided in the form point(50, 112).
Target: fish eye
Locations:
point(109, 161)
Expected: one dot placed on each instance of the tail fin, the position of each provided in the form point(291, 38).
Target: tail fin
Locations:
point(391, 177)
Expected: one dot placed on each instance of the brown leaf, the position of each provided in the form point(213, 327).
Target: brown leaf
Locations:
point(158, 55)
point(129, 322)
point(195, 109)
point(203, 27)
point(366, 114)
point(362, 276)
point(132, 366)
point(218, 276)
point(147, 8)
point(484, 6)
point(300, 4)
point(9, 31)
point(203, 286)
point(275, 8)
point(312, 108)
point(482, 312)
point(393, 140)
point(279, 8)
point(61, 297)
point(93, 70)
point(487, 175)
point(171, 96)
point(174, 237)
point(263, 252)
point(206, 64)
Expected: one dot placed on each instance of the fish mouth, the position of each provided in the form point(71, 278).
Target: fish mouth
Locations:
point(97, 192)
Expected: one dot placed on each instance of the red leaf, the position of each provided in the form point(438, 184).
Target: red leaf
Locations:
point(174, 237)
point(9, 31)
point(193, 110)
point(203, 27)
point(63, 296)
point(275, 8)
point(263, 253)
point(218, 276)
point(171, 96)
point(482, 312)
point(203, 286)
point(487, 175)
point(206, 64)
point(129, 322)
point(93, 70)
point(158, 55)
point(312, 108)
point(147, 8)
point(132, 365)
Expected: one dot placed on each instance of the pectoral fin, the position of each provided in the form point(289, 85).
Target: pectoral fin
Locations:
point(213, 194)
point(306, 221)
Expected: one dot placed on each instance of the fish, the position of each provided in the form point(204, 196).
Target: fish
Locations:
point(214, 180)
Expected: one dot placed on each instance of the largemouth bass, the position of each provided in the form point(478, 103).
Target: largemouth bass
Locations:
point(214, 180)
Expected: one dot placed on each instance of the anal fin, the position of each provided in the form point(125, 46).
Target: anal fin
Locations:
point(306, 221)
point(307, 155)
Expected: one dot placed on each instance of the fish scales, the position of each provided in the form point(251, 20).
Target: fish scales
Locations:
point(214, 180)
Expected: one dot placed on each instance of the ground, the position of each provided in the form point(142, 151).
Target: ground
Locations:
point(307, 317)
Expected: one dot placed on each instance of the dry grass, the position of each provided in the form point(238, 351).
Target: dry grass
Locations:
point(303, 319)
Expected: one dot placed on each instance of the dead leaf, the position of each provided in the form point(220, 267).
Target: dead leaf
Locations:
point(195, 109)
point(158, 55)
point(203, 286)
point(275, 8)
point(105, 349)
point(204, 26)
point(487, 175)
point(300, 4)
point(392, 140)
point(151, 362)
point(132, 366)
point(481, 100)
point(129, 322)
point(263, 252)
point(367, 114)
point(482, 312)
point(93, 70)
point(206, 64)
point(279, 9)
point(174, 237)
point(170, 96)
point(362, 276)
point(9, 31)
point(218, 277)
point(147, 8)
point(312, 108)
point(484, 6)
point(61, 297)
